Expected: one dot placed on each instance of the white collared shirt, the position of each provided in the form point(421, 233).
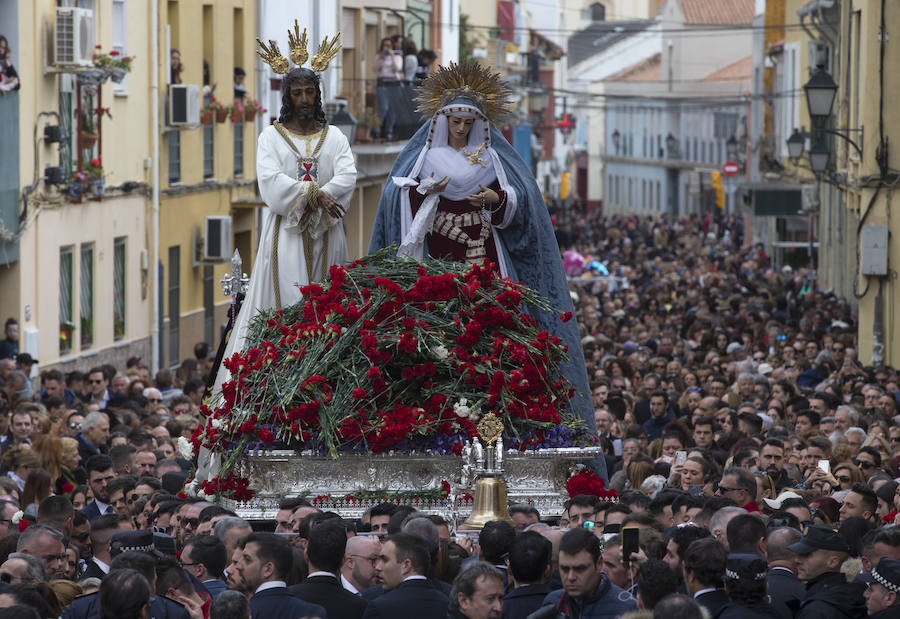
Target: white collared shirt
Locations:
point(272, 584)
point(414, 577)
point(349, 586)
point(103, 566)
point(322, 574)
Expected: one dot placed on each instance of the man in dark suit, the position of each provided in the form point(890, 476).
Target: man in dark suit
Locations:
point(100, 473)
point(529, 569)
point(704, 570)
point(88, 606)
point(94, 435)
point(325, 550)
point(785, 589)
point(263, 562)
point(204, 558)
point(102, 530)
point(402, 565)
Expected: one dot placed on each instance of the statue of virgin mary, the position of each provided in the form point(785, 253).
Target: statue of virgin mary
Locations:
point(459, 191)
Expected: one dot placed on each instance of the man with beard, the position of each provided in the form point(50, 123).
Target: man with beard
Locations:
point(306, 176)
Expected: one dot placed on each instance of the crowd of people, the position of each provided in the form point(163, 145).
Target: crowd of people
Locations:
point(755, 460)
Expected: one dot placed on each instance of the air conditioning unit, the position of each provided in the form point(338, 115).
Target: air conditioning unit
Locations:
point(74, 37)
point(184, 105)
point(217, 245)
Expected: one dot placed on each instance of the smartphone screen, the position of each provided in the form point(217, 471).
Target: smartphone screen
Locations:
point(680, 457)
point(630, 542)
point(825, 465)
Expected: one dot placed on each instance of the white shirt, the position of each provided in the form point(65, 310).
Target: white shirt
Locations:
point(272, 584)
point(349, 586)
point(702, 591)
point(103, 566)
point(414, 577)
point(322, 574)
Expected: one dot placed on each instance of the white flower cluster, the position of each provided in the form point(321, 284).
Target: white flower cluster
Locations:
point(17, 517)
point(462, 409)
point(440, 352)
point(185, 448)
point(193, 488)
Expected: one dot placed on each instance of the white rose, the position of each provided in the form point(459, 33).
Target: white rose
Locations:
point(216, 423)
point(185, 448)
point(17, 517)
point(441, 352)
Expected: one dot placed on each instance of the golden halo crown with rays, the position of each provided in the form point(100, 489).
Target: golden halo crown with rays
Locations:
point(298, 53)
point(469, 80)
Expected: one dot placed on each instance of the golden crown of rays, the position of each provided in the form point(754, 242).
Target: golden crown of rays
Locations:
point(487, 90)
point(298, 53)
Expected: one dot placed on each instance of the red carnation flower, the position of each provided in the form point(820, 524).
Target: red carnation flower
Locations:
point(360, 394)
point(566, 317)
point(67, 488)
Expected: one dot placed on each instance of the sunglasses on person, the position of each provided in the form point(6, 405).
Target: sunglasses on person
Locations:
point(75, 426)
point(95, 382)
point(844, 479)
point(154, 400)
point(723, 489)
point(863, 464)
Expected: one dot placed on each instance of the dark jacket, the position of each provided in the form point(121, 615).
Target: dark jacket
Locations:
point(606, 602)
point(88, 607)
point(93, 571)
point(91, 510)
point(785, 591)
point(522, 601)
point(763, 610)
point(411, 598)
point(378, 590)
point(888, 613)
point(85, 449)
point(278, 603)
point(713, 601)
point(830, 596)
point(215, 587)
point(654, 427)
point(327, 592)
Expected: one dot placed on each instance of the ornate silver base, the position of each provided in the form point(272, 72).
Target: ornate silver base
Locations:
point(535, 477)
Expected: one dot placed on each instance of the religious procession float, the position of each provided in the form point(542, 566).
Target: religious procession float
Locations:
point(402, 380)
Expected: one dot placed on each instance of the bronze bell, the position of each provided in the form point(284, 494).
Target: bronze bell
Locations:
point(490, 502)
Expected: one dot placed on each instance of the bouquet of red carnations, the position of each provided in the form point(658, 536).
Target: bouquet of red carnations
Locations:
point(395, 355)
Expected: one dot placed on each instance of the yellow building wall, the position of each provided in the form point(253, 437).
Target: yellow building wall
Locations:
point(865, 105)
point(32, 285)
point(185, 205)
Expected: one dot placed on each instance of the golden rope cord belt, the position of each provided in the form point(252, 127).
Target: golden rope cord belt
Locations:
point(312, 201)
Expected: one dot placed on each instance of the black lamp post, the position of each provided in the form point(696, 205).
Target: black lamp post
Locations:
point(818, 157)
point(795, 144)
point(731, 147)
point(820, 93)
point(672, 146)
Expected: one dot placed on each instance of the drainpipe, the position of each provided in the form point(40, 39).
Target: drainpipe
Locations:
point(154, 175)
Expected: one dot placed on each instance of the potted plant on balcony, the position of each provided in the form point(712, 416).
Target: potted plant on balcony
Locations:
point(112, 63)
point(213, 110)
point(252, 107)
point(93, 173)
point(236, 112)
point(367, 121)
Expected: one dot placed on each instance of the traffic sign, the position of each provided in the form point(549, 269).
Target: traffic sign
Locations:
point(730, 168)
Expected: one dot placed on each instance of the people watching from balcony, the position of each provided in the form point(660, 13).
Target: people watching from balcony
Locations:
point(9, 79)
point(388, 71)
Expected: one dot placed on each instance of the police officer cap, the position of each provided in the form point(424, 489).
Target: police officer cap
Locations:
point(816, 537)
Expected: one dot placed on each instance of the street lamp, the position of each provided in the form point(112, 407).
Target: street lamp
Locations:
point(672, 146)
point(616, 136)
point(820, 93)
point(731, 147)
point(818, 157)
point(795, 144)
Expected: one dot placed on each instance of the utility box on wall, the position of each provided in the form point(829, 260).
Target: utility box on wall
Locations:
point(874, 250)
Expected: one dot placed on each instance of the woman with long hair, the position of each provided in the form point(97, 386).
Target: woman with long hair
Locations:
point(37, 488)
